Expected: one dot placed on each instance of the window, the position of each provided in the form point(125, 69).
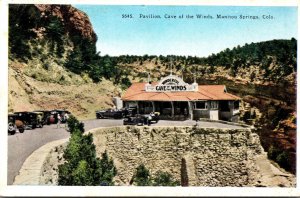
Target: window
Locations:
point(201, 105)
point(214, 105)
point(224, 105)
point(236, 105)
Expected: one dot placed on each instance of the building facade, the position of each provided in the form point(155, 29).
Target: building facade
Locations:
point(175, 99)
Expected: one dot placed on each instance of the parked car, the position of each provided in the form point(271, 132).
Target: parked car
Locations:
point(131, 111)
point(46, 116)
point(12, 128)
point(152, 117)
point(40, 119)
point(134, 120)
point(110, 113)
point(29, 119)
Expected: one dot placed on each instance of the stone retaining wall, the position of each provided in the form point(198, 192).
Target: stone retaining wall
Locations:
point(213, 157)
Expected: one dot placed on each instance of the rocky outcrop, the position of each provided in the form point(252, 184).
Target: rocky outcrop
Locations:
point(74, 20)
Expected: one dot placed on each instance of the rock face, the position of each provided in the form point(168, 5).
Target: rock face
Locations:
point(75, 21)
point(207, 157)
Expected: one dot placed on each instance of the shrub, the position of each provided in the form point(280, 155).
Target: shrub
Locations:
point(283, 160)
point(273, 152)
point(73, 124)
point(164, 179)
point(82, 166)
point(142, 176)
point(125, 82)
point(108, 170)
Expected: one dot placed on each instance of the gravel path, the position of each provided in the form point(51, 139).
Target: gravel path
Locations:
point(21, 145)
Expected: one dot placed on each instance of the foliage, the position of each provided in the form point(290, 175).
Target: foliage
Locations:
point(280, 114)
point(73, 124)
point(164, 179)
point(82, 166)
point(273, 152)
point(108, 170)
point(283, 160)
point(279, 156)
point(22, 18)
point(142, 177)
point(80, 155)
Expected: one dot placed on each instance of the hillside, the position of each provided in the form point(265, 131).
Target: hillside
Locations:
point(43, 73)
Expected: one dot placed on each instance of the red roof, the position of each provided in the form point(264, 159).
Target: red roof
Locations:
point(136, 92)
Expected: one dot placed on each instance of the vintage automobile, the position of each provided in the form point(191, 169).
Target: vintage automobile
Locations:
point(46, 116)
point(152, 117)
point(111, 113)
point(131, 111)
point(30, 119)
point(40, 119)
point(138, 119)
point(134, 120)
point(12, 128)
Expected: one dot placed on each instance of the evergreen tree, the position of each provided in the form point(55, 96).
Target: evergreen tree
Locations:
point(82, 166)
point(142, 176)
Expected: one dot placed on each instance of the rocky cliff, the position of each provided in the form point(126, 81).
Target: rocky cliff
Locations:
point(74, 20)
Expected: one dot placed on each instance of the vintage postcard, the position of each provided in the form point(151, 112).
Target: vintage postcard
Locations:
point(183, 98)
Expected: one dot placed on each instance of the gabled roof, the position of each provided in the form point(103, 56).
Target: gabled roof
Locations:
point(136, 92)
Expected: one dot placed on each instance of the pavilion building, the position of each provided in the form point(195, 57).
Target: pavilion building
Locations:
point(175, 99)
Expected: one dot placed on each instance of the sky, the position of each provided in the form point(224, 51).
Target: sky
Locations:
point(186, 36)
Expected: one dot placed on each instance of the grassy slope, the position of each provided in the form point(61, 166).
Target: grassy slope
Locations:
point(82, 99)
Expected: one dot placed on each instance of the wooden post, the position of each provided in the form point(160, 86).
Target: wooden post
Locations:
point(153, 106)
point(172, 104)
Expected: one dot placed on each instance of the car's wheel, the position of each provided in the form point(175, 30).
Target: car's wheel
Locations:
point(11, 128)
point(21, 130)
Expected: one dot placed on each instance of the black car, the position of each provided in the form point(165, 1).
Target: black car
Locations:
point(152, 117)
point(110, 113)
point(30, 119)
point(134, 120)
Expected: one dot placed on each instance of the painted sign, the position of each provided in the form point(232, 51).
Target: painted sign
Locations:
point(171, 84)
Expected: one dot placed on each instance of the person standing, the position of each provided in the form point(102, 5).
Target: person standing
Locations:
point(58, 120)
point(66, 117)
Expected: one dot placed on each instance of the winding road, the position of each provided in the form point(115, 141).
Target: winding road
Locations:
point(21, 145)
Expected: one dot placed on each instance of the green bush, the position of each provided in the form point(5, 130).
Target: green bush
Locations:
point(82, 166)
point(273, 152)
point(279, 156)
point(283, 160)
point(74, 124)
point(108, 170)
point(142, 177)
point(164, 179)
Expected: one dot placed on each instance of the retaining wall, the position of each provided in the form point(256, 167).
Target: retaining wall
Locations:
point(212, 157)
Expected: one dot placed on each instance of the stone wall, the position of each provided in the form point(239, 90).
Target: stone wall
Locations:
point(212, 157)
